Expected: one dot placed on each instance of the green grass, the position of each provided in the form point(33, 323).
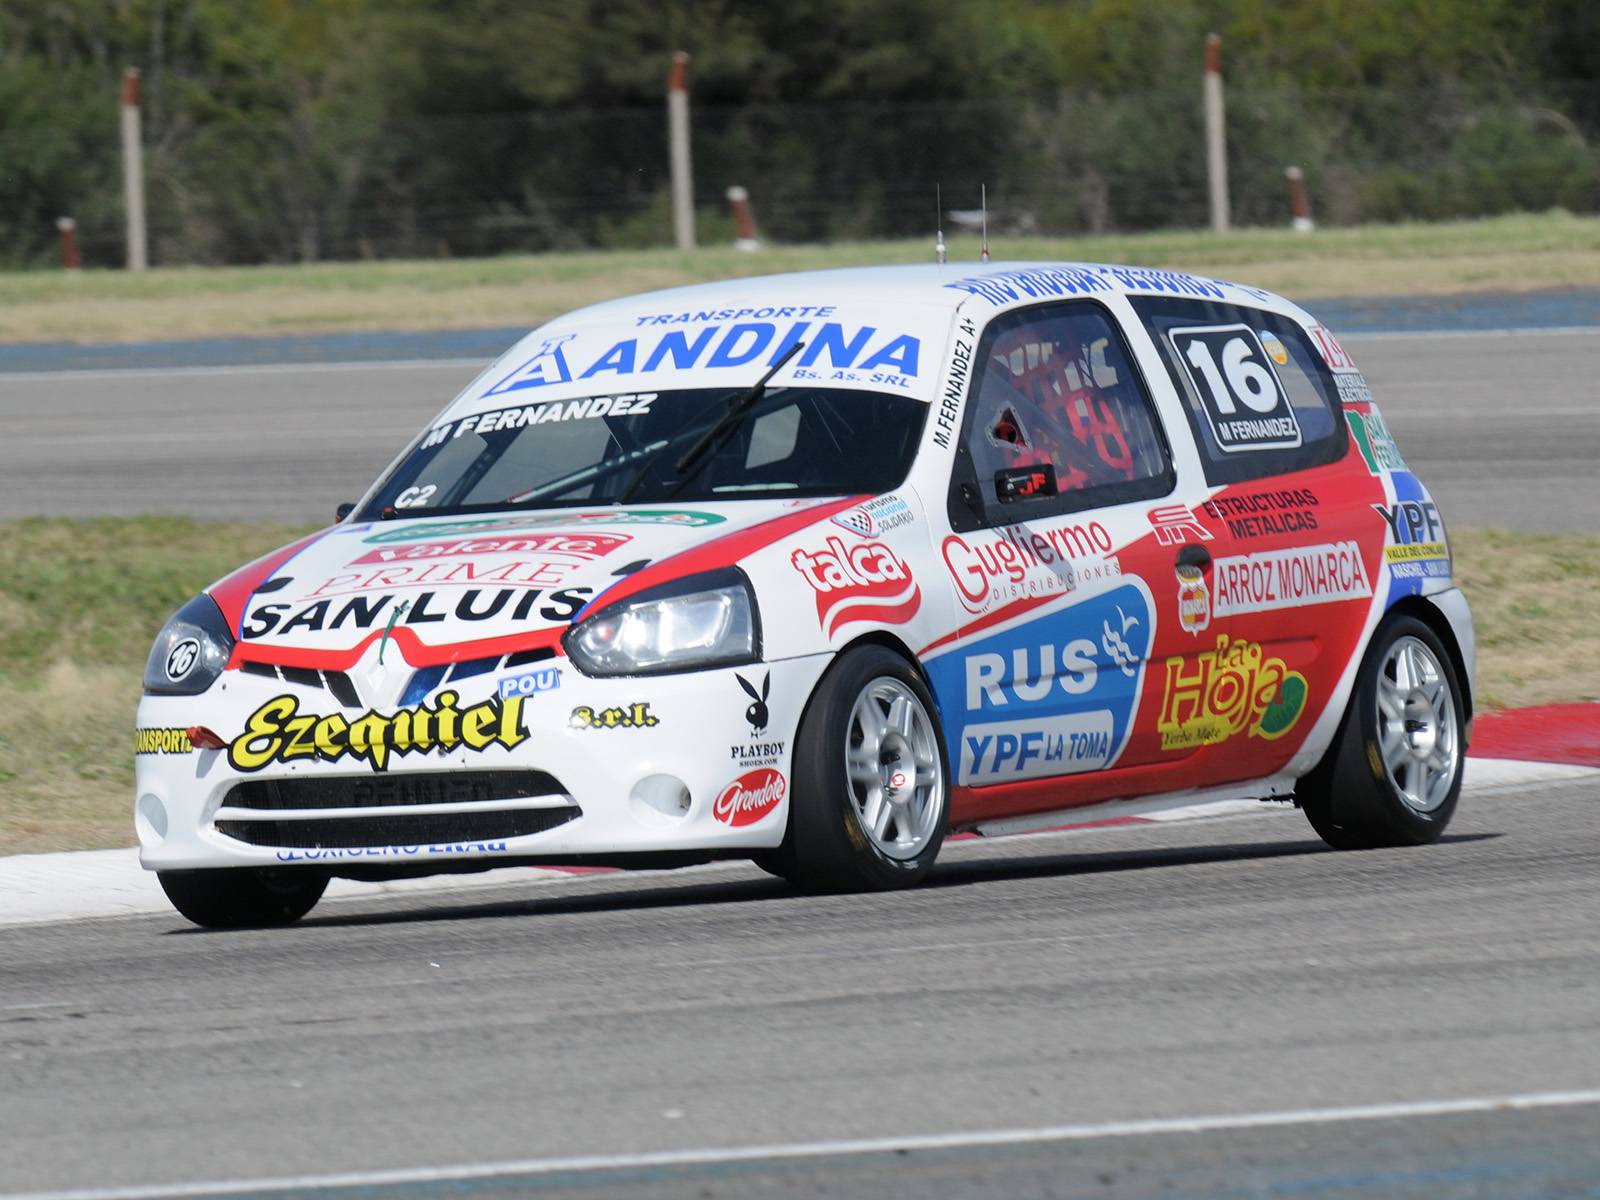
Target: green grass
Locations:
point(80, 602)
point(1514, 253)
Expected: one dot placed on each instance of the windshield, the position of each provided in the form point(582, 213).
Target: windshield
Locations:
point(795, 441)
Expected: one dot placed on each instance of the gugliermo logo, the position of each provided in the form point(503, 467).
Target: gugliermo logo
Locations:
point(279, 732)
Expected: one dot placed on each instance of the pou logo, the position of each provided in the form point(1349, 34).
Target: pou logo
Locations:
point(279, 732)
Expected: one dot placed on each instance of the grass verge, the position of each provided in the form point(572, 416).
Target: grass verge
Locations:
point(80, 602)
point(1513, 253)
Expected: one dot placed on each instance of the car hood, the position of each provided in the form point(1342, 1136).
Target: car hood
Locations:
point(449, 588)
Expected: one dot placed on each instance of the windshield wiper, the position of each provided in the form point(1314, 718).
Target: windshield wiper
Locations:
point(739, 406)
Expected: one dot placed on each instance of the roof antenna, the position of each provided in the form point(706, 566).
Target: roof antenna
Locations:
point(983, 254)
point(938, 245)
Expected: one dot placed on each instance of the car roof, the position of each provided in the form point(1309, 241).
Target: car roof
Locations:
point(871, 320)
point(945, 286)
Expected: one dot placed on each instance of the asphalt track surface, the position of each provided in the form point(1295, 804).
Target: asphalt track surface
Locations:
point(639, 1035)
point(1502, 426)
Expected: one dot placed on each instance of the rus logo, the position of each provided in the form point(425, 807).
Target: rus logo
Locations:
point(750, 797)
point(866, 581)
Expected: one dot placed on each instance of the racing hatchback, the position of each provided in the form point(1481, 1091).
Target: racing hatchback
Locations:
point(814, 569)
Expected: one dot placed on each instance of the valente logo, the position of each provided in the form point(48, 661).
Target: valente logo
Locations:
point(750, 797)
point(865, 581)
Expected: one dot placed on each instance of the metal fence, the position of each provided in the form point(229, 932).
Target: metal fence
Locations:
point(292, 189)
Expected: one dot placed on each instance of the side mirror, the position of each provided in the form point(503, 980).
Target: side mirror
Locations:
point(343, 511)
point(1025, 483)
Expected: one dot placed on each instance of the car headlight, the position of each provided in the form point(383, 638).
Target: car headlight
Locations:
point(190, 651)
point(703, 621)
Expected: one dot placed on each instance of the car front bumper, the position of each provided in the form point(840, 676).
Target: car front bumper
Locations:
point(589, 768)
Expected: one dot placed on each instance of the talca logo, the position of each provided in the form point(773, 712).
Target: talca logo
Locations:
point(750, 797)
point(865, 581)
point(279, 732)
point(1051, 696)
point(1228, 691)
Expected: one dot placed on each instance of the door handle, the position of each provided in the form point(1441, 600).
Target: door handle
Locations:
point(1195, 556)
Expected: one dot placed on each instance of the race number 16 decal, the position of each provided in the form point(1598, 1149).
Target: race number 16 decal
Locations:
point(1243, 399)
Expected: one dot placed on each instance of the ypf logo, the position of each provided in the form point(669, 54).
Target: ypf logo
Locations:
point(866, 581)
point(750, 797)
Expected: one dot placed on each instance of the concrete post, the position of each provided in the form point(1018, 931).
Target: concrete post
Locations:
point(1216, 138)
point(744, 221)
point(1299, 206)
point(69, 243)
point(678, 149)
point(133, 171)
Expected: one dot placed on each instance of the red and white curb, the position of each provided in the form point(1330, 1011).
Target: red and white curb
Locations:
point(80, 884)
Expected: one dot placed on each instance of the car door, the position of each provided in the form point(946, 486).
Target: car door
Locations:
point(1297, 542)
point(1069, 541)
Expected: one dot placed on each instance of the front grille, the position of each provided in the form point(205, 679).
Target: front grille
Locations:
point(374, 791)
point(404, 829)
point(426, 679)
point(337, 682)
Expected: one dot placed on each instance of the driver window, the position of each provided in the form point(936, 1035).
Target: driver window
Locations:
point(1055, 387)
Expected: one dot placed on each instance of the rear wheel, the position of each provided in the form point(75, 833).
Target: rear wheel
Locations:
point(869, 804)
point(243, 897)
point(1393, 774)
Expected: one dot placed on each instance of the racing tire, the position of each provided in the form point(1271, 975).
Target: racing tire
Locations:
point(243, 897)
point(870, 797)
point(1392, 776)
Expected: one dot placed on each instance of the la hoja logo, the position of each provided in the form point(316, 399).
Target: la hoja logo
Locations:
point(1234, 689)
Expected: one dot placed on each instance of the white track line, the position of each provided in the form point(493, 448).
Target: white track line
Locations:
point(973, 1139)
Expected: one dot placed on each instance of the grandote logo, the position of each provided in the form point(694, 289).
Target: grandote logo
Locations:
point(750, 797)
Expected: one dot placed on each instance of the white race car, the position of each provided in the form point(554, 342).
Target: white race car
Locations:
point(812, 569)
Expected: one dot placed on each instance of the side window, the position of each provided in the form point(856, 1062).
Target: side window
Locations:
point(1257, 394)
point(1055, 388)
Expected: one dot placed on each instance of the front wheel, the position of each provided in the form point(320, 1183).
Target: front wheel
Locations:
point(243, 897)
point(869, 804)
point(1393, 774)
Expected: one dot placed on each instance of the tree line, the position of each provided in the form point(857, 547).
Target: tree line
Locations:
point(295, 130)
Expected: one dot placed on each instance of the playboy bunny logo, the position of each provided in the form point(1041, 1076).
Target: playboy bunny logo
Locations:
point(756, 714)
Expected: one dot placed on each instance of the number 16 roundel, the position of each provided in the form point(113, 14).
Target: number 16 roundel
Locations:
point(1242, 396)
